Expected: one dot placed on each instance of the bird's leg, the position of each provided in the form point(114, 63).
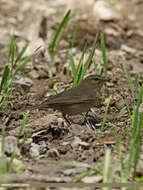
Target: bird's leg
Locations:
point(95, 116)
point(86, 114)
point(67, 120)
point(91, 120)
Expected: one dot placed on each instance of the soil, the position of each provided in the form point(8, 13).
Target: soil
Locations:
point(56, 152)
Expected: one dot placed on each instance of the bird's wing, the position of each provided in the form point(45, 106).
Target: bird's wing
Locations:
point(69, 100)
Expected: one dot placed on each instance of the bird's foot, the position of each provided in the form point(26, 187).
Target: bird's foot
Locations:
point(68, 121)
point(92, 121)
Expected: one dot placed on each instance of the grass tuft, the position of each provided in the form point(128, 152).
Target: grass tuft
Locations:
point(80, 70)
point(16, 64)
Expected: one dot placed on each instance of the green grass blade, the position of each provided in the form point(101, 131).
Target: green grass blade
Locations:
point(90, 172)
point(74, 37)
point(3, 139)
point(136, 145)
point(26, 136)
point(23, 124)
point(89, 60)
point(21, 53)
point(11, 51)
point(71, 42)
point(5, 77)
point(127, 104)
point(78, 70)
point(137, 78)
point(136, 112)
point(72, 65)
point(132, 141)
point(23, 64)
point(128, 78)
point(135, 120)
point(106, 170)
point(140, 97)
point(65, 20)
point(140, 179)
point(106, 112)
point(137, 130)
point(121, 113)
point(9, 163)
point(7, 86)
point(136, 155)
point(104, 54)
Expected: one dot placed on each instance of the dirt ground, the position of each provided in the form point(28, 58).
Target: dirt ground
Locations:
point(55, 152)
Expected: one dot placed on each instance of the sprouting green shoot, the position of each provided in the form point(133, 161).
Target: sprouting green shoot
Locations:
point(71, 41)
point(11, 70)
point(104, 54)
point(5, 78)
point(88, 61)
point(26, 136)
point(11, 54)
point(5, 167)
point(23, 124)
point(137, 85)
point(22, 65)
point(19, 56)
point(90, 172)
point(106, 169)
point(127, 104)
point(135, 142)
point(52, 45)
point(77, 71)
point(3, 140)
point(121, 113)
point(128, 77)
point(106, 112)
point(9, 163)
point(74, 37)
point(80, 70)
point(140, 96)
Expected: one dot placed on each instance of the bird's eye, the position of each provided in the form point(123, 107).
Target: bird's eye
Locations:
point(96, 78)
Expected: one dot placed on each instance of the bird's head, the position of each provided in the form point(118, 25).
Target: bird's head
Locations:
point(95, 80)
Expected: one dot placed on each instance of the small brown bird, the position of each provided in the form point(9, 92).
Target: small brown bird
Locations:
point(76, 100)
